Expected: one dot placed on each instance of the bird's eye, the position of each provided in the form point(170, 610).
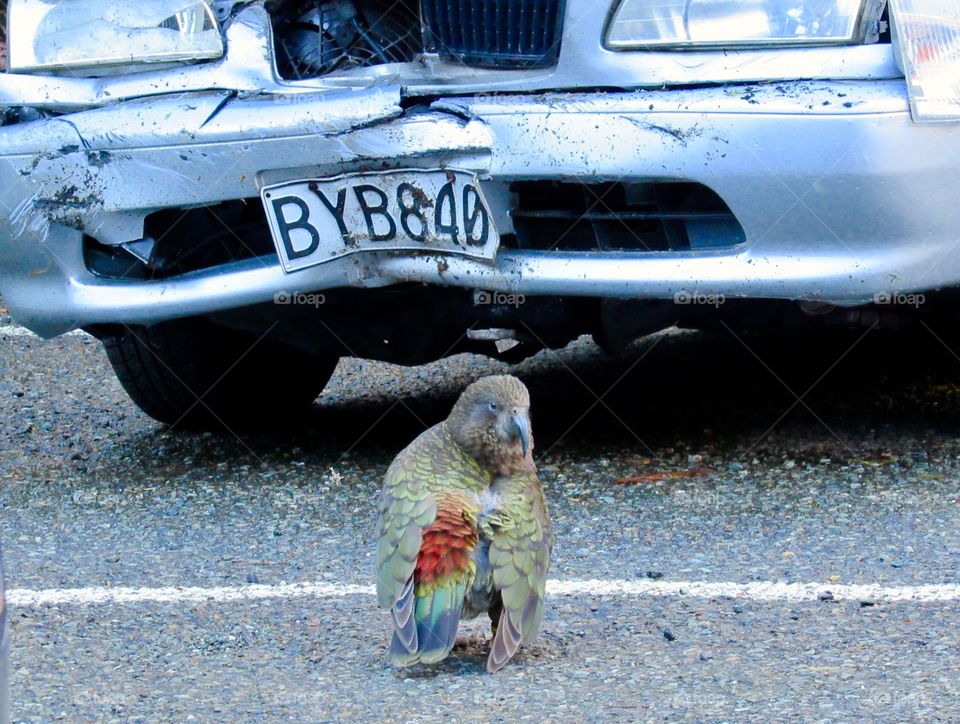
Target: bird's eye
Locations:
point(493, 406)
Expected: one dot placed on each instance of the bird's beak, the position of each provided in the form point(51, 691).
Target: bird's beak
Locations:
point(520, 428)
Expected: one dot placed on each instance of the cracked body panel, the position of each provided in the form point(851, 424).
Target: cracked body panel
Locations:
point(105, 177)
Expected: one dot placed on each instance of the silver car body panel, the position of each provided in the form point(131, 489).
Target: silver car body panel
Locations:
point(839, 194)
point(248, 67)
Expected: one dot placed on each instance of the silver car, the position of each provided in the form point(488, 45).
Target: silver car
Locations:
point(232, 195)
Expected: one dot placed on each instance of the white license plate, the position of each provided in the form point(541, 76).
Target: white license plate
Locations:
point(439, 211)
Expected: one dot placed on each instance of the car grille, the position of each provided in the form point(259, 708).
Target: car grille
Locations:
point(651, 216)
point(495, 33)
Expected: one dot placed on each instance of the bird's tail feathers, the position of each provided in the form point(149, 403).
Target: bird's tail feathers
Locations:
point(506, 641)
point(403, 648)
point(437, 619)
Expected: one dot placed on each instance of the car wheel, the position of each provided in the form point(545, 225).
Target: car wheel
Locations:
point(193, 373)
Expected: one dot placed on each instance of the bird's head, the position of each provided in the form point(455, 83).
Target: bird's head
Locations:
point(491, 421)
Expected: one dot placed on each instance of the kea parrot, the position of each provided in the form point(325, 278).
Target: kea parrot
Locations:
point(464, 529)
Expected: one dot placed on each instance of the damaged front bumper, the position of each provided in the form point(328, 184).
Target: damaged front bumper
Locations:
point(839, 194)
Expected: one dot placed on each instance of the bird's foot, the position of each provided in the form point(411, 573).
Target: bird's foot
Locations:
point(471, 643)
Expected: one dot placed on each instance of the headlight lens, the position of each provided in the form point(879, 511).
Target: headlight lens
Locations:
point(927, 33)
point(59, 34)
point(641, 24)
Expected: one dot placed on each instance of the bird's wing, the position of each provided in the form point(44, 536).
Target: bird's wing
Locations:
point(444, 572)
point(427, 534)
point(407, 506)
point(521, 542)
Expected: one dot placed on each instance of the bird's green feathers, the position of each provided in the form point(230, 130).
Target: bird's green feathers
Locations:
point(521, 542)
point(430, 466)
point(431, 522)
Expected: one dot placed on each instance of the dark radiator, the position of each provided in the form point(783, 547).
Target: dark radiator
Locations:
point(494, 33)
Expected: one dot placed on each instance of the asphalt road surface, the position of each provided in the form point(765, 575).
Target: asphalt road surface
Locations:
point(723, 550)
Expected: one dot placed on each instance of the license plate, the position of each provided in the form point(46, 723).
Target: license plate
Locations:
point(438, 211)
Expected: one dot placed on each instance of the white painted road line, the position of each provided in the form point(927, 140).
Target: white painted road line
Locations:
point(756, 591)
point(15, 331)
point(98, 596)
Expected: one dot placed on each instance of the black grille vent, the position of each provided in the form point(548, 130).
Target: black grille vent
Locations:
point(495, 33)
point(652, 216)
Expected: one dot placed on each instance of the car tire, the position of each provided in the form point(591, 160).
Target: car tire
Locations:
point(166, 367)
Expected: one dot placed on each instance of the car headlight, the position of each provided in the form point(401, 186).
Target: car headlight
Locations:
point(62, 34)
point(656, 24)
point(927, 35)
